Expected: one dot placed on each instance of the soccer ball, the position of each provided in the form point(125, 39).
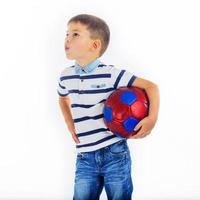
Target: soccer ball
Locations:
point(123, 110)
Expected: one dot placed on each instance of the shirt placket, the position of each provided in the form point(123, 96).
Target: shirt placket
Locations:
point(81, 82)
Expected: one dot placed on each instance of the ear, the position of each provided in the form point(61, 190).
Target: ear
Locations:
point(96, 44)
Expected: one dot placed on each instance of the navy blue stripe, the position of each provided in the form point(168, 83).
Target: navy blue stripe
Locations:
point(131, 81)
point(63, 87)
point(62, 94)
point(98, 142)
point(96, 76)
point(85, 77)
point(92, 132)
point(102, 100)
point(91, 91)
point(119, 78)
point(86, 105)
point(87, 118)
point(81, 105)
point(102, 65)
point(69, 77)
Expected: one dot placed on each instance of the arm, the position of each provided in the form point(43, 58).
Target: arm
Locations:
point(64, 103)
point(148, 122)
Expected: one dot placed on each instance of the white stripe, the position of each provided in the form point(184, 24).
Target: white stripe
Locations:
point(98, 146)
point(89, 125)
point(95, 137)
point(79, 112)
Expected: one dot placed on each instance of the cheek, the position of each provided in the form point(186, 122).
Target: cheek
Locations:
point(82, 47)
point(78, 45)
point(84, 43)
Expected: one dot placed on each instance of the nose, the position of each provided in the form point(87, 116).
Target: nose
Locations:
point(66, 43)
point(67, 38)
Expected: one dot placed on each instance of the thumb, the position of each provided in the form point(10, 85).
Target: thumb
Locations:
point(75, 137)
point(138, 126)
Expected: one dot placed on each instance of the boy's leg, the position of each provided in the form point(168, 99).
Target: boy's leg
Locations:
point(117, 179)
point(88, 183)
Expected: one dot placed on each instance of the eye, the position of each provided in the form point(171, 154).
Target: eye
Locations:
point(75, 34)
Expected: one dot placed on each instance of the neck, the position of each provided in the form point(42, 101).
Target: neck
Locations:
point(85, 62)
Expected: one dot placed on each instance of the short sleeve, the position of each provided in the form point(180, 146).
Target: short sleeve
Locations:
point(61, 87)
point(121, 77)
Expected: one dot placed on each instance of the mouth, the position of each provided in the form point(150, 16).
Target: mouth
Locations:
point(66, 48)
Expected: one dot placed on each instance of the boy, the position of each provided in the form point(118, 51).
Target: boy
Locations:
point(103, 159)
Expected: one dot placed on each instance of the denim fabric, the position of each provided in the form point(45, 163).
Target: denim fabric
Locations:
point(109, 167)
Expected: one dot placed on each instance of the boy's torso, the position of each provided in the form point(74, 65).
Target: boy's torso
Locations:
point(88, 92)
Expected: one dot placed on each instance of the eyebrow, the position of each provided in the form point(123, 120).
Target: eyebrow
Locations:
point(74, 30)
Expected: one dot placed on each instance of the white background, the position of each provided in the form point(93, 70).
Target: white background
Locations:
point(156, 40)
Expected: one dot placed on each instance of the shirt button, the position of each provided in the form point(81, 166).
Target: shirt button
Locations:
point(81, 80)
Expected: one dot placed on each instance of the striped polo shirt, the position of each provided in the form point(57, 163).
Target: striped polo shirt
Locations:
point(88, 88)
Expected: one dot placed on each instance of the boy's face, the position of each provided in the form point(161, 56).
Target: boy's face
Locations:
point(78, 43)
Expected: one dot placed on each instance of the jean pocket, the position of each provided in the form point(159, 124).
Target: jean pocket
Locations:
point(119, 148)
point(80, 156)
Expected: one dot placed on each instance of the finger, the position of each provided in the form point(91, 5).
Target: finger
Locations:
point(76, 139)
point(140, 131)
point(138, 134)
point(138, 126)
point(142, 134)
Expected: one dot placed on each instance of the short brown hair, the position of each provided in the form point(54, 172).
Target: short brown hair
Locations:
point(97, 28)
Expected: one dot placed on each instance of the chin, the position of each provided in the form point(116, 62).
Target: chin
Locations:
point(70, 57)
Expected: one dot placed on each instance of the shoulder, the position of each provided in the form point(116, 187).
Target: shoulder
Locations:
point(114, 69)
point(111, 69)
point(105, 67)
point(69, 70)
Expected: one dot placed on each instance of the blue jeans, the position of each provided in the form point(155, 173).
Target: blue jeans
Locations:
point(109, 167)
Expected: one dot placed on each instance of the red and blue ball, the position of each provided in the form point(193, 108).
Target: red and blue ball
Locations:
point(123, 110)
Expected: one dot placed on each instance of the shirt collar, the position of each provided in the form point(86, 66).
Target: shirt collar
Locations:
point(88, 68)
